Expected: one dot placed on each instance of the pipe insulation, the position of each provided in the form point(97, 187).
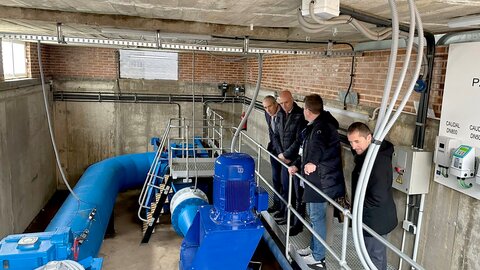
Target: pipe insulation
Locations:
point(97, 189)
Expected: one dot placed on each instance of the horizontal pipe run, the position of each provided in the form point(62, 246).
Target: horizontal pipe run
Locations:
point(97, 190)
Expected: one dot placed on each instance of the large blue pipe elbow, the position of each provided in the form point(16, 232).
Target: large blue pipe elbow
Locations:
point(97, 189)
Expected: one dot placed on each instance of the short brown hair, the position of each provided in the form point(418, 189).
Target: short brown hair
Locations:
point(362, 128)
point(270, 98)
point(314, 103)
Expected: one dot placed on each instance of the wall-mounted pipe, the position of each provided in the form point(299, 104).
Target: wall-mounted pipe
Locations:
point(97, 189)
point(419, 135)
point(138, 97)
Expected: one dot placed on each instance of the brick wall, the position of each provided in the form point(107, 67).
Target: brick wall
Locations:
point(33, 69)
point(327, 76)
point(300, 74)
point(101, 63)
point(75, 62)
point(211, 69)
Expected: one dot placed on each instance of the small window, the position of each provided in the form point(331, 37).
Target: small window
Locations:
point(14, 61)
point(150, 65)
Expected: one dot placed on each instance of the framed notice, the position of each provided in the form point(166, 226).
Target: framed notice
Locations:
point(150, 65)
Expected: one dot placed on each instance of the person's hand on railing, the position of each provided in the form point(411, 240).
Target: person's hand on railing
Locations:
point(283, 159)
point(310, 168)
point(292, 170)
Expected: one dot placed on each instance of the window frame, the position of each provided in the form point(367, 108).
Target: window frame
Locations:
point(15, 62)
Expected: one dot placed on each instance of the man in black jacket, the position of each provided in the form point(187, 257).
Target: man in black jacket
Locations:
point(379, 211)
point(321, 165)
point(272, 113)
point(290, 125)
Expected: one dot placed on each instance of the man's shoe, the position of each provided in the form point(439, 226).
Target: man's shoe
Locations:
point(279, 216)
point(273, 209)
point(305, 251)
point(314, 264)
point(281, 221)
point(295, 229)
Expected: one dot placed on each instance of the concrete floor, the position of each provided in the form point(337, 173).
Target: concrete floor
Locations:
point(123, 250)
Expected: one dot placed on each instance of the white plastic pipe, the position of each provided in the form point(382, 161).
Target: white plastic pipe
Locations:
point(252, 103)
point(407, 208)
point(379, 136)
point(419, 227)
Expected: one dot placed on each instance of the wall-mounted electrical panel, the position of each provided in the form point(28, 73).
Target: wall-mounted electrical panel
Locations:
point(411, 170)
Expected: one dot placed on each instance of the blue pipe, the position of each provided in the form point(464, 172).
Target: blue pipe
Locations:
point(97, 189)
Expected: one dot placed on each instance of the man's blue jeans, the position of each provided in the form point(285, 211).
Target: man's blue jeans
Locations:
point(317, 213)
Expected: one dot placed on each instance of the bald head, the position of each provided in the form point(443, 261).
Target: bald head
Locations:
point(285, 99)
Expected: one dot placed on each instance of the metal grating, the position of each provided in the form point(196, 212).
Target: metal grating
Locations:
point(302, 240)
point(202, 167)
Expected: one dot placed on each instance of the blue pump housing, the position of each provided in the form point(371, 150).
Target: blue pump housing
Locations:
point(225, 235)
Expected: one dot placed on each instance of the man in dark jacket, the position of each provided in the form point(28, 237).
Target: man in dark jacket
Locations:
point(290, 125)
point(321, 165)
point(379, 211)
point(272, 112)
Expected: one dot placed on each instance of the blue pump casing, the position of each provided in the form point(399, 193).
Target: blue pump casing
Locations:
point(225, 235)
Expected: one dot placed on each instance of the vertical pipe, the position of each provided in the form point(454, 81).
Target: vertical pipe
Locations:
point(221, 136)
point(407, 208)
point(259, 159)
point(344, 239)
point(289, 204)
point(419, 227)
point(419, 135)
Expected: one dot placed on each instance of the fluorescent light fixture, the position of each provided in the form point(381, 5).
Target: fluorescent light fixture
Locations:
point(465, 21)
point(165, 35)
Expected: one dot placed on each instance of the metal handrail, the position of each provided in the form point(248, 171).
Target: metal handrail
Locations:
point(346, 212)
point(151, 173)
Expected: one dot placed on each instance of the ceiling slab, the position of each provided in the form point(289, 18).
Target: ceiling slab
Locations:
point(267, 19)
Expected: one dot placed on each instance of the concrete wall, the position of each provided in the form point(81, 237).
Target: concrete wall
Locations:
point(27, 168)
point(89, 132)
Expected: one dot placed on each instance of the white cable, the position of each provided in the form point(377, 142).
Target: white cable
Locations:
point(373, 150)
point(369, 33)
point(50, 129)
point(252, 103)
point(391, 64)
point(404, 69)
point(193, 124)
point(357, 220)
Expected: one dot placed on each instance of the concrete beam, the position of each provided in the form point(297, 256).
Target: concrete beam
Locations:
point(98, 21)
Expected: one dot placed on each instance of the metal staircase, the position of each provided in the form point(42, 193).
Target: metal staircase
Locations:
point(179, 158)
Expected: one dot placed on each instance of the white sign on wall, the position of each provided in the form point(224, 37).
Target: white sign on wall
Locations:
point(460, 117)
point(150, 65)
point(461, 96)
